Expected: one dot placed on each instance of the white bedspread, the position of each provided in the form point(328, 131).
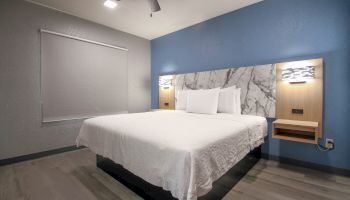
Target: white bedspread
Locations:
point(178, 151)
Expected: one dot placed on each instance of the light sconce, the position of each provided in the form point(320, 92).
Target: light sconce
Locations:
point(298, 74)
point(110, 3)
point(166, 81)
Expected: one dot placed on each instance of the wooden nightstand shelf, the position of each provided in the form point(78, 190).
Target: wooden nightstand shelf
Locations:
point(294, 130)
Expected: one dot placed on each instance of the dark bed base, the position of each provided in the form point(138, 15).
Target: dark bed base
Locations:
point(150, 192)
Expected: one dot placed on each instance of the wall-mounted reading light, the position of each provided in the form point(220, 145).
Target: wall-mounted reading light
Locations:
point(298, 74)
point(166, 81)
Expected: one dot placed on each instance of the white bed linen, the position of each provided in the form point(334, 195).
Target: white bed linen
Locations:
point(178, 151)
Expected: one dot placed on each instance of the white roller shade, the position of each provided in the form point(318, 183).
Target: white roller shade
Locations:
point(81, 78)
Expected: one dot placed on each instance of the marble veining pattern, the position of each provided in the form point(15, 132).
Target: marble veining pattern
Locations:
point(257, 83)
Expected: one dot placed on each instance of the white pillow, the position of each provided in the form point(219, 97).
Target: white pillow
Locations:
point(229, 100)
point(181, 100)
point(203, 101)
point(238, 109)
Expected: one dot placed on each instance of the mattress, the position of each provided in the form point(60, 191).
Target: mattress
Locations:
point(181, 152)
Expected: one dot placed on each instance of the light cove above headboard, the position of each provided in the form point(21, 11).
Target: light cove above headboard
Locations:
point(257, 83)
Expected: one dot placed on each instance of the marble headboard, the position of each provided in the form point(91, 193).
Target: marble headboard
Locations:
point(257, 83)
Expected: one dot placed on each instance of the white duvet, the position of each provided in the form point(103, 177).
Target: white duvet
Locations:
point(178, 151)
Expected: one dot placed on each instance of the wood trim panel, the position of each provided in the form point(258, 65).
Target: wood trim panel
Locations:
point(167, 97)
point(297, 123)
point(307, 96)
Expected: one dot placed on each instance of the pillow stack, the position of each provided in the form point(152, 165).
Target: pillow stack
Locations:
point(210, 101)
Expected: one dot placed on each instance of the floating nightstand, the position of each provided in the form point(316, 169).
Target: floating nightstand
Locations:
point(294, 130)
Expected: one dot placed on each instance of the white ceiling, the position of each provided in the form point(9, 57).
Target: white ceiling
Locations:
point(133, 16)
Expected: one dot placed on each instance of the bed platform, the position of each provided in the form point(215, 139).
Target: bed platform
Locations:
point(150, 192)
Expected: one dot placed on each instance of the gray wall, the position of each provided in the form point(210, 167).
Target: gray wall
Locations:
point(21, 130)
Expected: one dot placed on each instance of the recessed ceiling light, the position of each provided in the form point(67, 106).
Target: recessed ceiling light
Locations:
point(110, 3)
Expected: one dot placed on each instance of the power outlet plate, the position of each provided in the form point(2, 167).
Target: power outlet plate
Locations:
point(329, 143)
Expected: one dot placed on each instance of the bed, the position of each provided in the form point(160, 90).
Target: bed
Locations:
point(183, 153)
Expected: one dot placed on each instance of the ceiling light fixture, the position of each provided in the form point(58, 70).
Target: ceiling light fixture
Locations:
point(110, 3)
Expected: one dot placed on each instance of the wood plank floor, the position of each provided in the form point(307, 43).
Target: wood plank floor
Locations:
point(74, 176)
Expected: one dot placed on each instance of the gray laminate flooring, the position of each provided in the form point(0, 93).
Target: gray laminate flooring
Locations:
point(74, 176)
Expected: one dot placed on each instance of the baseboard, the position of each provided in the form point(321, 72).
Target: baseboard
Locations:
point(324, 168)
point(13, 160)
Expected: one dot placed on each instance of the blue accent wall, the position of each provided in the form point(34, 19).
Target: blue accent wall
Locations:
point(269, 32)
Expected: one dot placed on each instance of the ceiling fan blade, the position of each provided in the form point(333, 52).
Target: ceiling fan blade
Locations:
point(154, 5)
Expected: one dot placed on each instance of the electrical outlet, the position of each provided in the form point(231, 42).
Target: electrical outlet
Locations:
point(297, 111)
point(329, 143)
